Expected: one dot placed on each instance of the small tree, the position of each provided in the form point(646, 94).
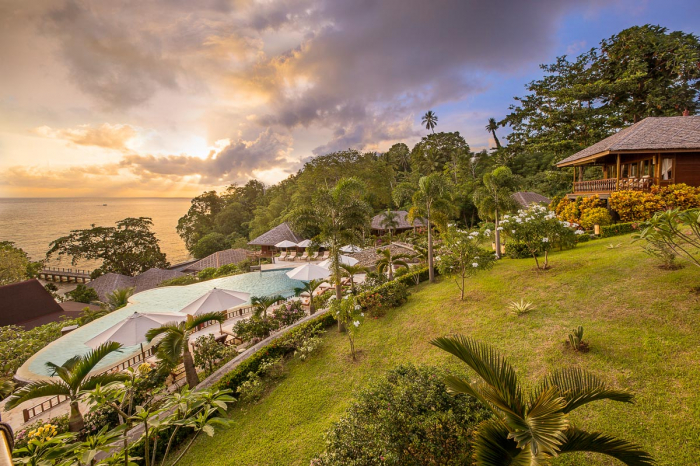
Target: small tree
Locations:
point(495, 198)
point(309, 287)
point(117, 299)
point(390, 221)
point(351, 271)
point(263, 303)
point(83, 294)
point(461, 256)
point(350, 314)
point(388, 261)
point(672, 233)
point(207, 351)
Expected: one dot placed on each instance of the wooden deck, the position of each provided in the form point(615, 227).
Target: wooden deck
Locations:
point(60, 274)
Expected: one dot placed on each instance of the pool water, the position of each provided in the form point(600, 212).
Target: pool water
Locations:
point(157, 300)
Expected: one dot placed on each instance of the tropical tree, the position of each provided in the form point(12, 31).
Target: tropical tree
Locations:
point(462, 257)
point(429, 120)
point(340, 215)
point(263, 303)
point(15, 265)
point(308, 287)
point(74, 381)
point(351, 271)
point(6, 387)
point(88, 315)
point(388, 261)
point(531, 430)
point(175, 344)
point(117, 299)
point(430, 202)
point(495, 198)
point(491, 127)
point(390, 221)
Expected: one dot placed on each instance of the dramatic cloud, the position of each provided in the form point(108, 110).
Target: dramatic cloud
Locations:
point(108, 136)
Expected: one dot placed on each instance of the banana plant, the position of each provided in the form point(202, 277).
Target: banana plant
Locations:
point(532, 430)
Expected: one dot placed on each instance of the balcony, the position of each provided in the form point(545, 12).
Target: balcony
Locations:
point(608, 185)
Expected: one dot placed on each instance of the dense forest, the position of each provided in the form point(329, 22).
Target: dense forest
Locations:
point(640, 72)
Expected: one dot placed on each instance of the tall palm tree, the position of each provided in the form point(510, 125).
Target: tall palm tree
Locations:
point(430, 202)
point(117, 299)
point(430, 120)
point(351, 271)
point(491, 128)
point(388, 261)
point(308, 287)
point(530, 430)
point(73, 382)
point(390, 221)
point(340, 214)
point(495, 198)
point(263, 303)
point(175, 345)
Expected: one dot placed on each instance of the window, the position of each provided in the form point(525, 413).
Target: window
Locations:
point(646, 166)
point(612, 171)
point(667, 169)
point(634, 170)
point(625, 171)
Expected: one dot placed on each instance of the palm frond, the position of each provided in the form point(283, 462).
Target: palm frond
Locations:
point(493, 447)
point(103, 379)
point(204, 318)
point(543, 426)
point(36, 390)
point(629, 453)
point(171, 346)
point(166, 328)
point(88, 362)
point(579, 387)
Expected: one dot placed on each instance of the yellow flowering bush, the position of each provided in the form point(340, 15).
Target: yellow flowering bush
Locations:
point(144, 368)
point(45, 432)
point(678, 196)
point(635, 205)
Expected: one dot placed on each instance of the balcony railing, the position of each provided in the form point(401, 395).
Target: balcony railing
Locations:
point(611, 184)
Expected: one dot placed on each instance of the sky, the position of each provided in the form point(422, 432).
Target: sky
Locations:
point(169, 98)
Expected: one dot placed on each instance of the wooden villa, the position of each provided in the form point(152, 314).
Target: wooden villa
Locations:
point(655, 151)
point(280, 233)
point(379, 227)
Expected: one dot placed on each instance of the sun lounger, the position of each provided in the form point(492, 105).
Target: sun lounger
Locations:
point(304, 256)
point(282, 256)
point(314, 256)
point(325, 256)
point(291, 256)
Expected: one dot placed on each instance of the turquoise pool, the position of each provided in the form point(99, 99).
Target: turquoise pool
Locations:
point(168, 299)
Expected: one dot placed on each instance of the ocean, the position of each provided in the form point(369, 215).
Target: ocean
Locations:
point(33, 223)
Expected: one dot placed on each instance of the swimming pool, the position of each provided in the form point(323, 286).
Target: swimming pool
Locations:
point(157, 300)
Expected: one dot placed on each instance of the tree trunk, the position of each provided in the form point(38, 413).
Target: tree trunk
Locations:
point(190, 371)
point(76, 423)
point(461, 296)
point(338, 292)
point(431, 272)
point(498, 237)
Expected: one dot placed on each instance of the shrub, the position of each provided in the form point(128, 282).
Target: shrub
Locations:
point(516, 250)
point(596, 216)
point(618, 229)
point(22, 435)
point(413, 277)
point(256, 326)
point(576, 342)
point(521, 307)
point(179, 281)
point(391, 294)
point(678, 196)
point(208, 352)
point(583, 237)
point(83, 294)
point(406, 417)
point(287, 314)
point(575, 211)
point(635, 205)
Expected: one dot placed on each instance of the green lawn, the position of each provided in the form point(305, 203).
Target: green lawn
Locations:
point(641, 322)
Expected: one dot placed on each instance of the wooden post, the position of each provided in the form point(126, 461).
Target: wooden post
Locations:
point(617, 174)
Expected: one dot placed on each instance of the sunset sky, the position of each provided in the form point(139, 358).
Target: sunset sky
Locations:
point(172, 97)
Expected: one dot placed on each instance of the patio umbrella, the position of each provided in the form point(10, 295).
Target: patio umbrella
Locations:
point(304, 244)
point(216, 300)
point(346, 260)
point(286, 244)
point(132, 330)
point(350, 249)
point(308, 272)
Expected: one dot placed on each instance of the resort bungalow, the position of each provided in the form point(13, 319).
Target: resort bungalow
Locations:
point(29, 305)
point(379, 226)
point(526, 198)
point(218, 259)
point(151, 278)
point(267, 240)
point(655, 151)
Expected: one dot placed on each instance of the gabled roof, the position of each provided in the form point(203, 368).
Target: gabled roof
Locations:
point(278, 234)
point(151, 278)
point(652, 133)
point(526, 198)
point(401, 220)
point(27, 304)
point(228, 256)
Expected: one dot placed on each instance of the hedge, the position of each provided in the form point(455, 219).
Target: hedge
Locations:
point(275, 349)
point(618, 229)
point(409, 278)
point(377, 300)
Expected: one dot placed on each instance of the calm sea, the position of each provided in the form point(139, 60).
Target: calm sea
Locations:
point(33, 223)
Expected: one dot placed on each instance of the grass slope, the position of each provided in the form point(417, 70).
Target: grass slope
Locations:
point(641, 322)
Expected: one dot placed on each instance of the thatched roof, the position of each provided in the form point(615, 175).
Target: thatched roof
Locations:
point(401, 220)
point(368, 257)
point(28, 304)
point(526, 198)
point(151, 278)
point(228, 256)
point(651, 134)
point(278, 234)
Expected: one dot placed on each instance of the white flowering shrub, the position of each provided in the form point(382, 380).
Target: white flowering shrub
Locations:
point(350, 315)
point(461, 255)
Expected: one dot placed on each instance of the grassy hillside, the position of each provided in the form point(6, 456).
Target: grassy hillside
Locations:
point(642, 324)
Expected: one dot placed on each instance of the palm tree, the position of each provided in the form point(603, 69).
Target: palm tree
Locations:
point(430, 120)
point(390, 221)
point(175, 345)
point(388, 261)
point(308, 287)
point(491, 128)
point(496, 197)
point(88, 315)
point(351, 271)
point(117, 299)
point(340, 214)
point(430, 202)
point(73, 382)
point(531, 430)
point(263, 303)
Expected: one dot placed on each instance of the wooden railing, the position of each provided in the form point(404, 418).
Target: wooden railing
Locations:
point(611, 184)
point(34, 411)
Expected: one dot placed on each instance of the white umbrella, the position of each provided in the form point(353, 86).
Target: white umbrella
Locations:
point(350, 249)
point(308, 272)
point(132, 330)
point(304, 244)
point(216, 300)
point(286, 244)
point(346, 260)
